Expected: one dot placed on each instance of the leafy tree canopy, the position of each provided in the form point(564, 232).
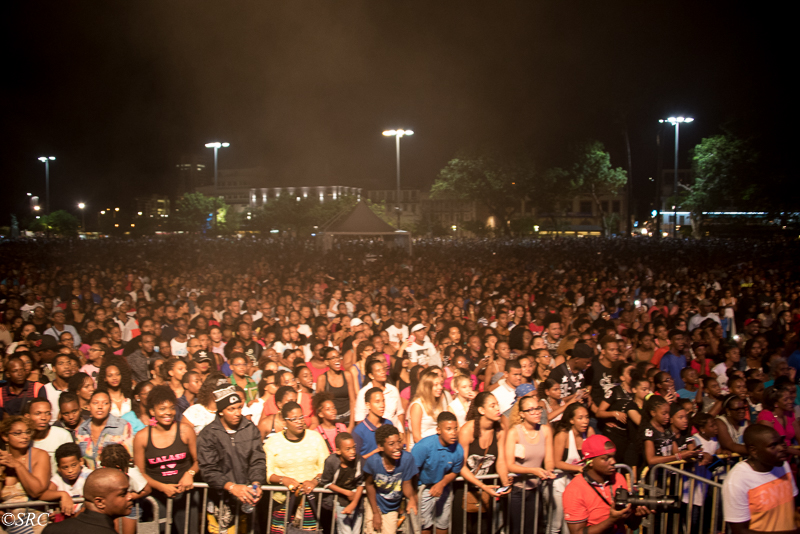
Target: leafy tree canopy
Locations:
point(194, 212)
point(497, 181)
point(62, 222)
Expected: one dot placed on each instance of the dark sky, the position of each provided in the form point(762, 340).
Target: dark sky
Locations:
point(120, 91)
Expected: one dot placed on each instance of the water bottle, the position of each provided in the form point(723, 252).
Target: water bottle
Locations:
point(248, 508)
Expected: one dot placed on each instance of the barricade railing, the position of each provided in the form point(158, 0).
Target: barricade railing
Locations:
point(679, 480)
point(48, 507)
point(497, 519)
point(498, 514)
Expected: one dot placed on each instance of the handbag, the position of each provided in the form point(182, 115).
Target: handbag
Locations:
point(478, 502)
point(296, 525)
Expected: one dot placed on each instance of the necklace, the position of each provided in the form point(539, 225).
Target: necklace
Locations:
point(530, 437)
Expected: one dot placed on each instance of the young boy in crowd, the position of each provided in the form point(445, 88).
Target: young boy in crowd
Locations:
point(240, 364)
point(439, 459)
point(388, 479)
point(691, 385)
point(706, 440)
point(364, 432)
point(69, 479)
point(343, 474)
point(70, 415)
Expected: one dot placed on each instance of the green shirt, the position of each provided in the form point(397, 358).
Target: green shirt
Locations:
point(250, 390)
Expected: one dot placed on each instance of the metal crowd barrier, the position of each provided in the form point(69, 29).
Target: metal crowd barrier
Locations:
point(48, 507)
point(498, 516)
point(681, 480)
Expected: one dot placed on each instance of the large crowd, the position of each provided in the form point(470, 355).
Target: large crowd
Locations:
point(383, 377)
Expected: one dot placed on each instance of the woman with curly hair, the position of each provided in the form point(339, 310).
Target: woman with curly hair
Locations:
point(25, 469)
point(115, 379)
point(166, 454)
point(200, 414)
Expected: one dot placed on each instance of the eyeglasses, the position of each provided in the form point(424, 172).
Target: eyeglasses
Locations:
point(532, 410)
point(294, 419)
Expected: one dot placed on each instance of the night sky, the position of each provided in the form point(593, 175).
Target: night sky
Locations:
point(120, 91)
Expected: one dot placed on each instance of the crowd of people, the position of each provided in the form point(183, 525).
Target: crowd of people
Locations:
point(383, 377)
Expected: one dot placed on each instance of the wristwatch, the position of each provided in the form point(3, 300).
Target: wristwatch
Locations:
point(192, 472)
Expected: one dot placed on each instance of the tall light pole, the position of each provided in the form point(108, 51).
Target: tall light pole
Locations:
point(46, 160)
point(397, 134)
point(216, 146)
point(82, 206)
point(676, 122)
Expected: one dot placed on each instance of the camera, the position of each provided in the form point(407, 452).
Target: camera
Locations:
point(623, 498)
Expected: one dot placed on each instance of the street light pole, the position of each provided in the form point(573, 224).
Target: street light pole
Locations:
point(81, 207)
point(397, 134)
point(46, 160)
point(216, 146)
point(676, 121)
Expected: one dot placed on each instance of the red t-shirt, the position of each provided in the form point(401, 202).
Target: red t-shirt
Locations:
point(705, 370)
point(582, 503)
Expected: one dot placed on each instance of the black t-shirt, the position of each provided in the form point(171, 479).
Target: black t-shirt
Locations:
point(253, 351)
point(346, 480)
point(682, 441)
point(599, 377)
point(570, 383)
point(617, 400)
point(662, 441)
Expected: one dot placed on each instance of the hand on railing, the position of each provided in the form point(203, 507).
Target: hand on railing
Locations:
point(542, 473)
point(67, 504)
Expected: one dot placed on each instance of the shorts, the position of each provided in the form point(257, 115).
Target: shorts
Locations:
point(388, 521)
point(435, 511)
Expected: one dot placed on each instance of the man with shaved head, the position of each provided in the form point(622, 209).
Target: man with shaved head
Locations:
point(107, 498)
point(758, 494)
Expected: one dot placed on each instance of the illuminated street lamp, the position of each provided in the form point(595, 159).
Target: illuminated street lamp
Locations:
point(216, 146)
point(676, 122)
point(81, 207)
point(46, 160)
point(397, 134)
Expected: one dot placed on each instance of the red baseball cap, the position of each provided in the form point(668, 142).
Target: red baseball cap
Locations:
point(747, 322)
point(597, 445)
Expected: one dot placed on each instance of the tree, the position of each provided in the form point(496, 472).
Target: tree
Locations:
point(498, 182)
point(62, 223)
point(724, 168)
point(306, 215)
point(194, 212)
point(591, 174)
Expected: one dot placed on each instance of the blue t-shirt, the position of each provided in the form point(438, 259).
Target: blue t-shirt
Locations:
point(435, 460)
point(389, 486)
point(686, 394)
point(673, 365)
point(364, 434)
